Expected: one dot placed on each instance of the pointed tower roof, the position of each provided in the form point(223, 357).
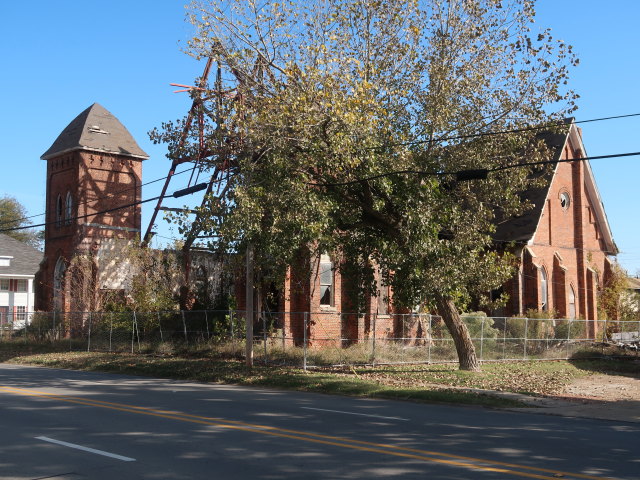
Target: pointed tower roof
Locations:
point(98, 130)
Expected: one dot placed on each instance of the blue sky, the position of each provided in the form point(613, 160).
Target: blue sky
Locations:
point(60, 57)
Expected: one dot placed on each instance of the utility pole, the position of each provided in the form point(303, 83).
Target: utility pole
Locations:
point(249, 306)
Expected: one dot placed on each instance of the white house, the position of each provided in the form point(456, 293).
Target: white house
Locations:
point(19, 263)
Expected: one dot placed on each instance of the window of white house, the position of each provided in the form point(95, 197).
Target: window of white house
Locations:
point(21, 313)
point(544, 290)
point(572, 303)
point(4, 284)
point(326, 280)
point(68, 211)
point(22, 285)
point(5, 261)
point(59, 211)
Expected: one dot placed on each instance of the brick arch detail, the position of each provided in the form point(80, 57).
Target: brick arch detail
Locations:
point(560, 298)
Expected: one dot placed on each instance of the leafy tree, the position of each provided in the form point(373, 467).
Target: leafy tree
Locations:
point(341, 120)
point(147, 279)
point(616, 301)
point(14, 215)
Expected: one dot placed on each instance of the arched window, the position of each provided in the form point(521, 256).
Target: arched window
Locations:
point(544, 290)
point(572, 303)
point(68, 209)
point(201, 274)
point(58, 284)
point(326, 280)
point(59, 211)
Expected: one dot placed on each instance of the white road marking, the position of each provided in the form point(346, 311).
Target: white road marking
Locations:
point(355, 413)
point(87, 449)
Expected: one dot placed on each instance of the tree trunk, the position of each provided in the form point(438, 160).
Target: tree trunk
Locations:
point(464, 346)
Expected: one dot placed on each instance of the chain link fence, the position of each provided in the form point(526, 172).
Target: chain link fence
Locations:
point(317, 339)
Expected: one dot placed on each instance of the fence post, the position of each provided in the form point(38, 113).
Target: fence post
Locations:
point(526, 334)
point(184, 326)
point(89, 335)
point(133, 329)
point(482, 339)
point(160, 327)
point(568, 337)
point(231, 325)
point(429, 338)
point(373, 344)
point(504, 340)
point(264, 337)
point(206, 324)
point(304, 341)
point(110, 329)
point(53, 329)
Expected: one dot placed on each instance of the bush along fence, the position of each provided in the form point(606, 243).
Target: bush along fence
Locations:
point(315, 339)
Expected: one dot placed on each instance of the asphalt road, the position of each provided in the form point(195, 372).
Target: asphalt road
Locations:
point(72, 425)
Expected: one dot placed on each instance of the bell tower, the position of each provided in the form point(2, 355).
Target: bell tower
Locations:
point(94, 172)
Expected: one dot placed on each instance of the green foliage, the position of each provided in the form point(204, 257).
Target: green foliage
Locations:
point(566, 329)
point(148, 280)
point(13, 215)
point(345, 116)
point(336, 96)
point(615, 301)
point(479, 325)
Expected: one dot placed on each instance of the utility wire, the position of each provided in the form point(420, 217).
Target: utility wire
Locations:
point(417, 142)
point(111, 194)
point(471, 174)
point(176, 194)
point(501, 132)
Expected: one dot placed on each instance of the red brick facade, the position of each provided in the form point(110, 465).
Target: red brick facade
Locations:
point(563, 263)
point(94, 182)
point(86, 188)
point(569, 248)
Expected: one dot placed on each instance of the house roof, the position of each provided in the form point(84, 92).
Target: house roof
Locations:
point(523, 228)
point(25, 261)
point(95, 129)
point(633, 283)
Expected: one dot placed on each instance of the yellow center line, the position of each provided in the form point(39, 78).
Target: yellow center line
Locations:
point(387, 449)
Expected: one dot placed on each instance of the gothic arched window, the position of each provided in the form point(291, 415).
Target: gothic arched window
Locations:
point(68, 209)
point(326, 280)
point(58, 284)
point(572, 303)
point(544, 290)
point(59, 211)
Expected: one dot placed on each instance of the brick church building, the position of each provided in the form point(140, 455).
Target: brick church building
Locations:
point(564, 243)
point(93, 166)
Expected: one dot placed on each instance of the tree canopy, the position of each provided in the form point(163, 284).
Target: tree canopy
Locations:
point(341, 125)
point(14, 215)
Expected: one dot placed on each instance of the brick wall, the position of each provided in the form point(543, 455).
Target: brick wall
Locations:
point(567, 245)
point(95, 182)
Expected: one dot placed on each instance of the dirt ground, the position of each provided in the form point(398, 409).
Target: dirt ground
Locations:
point(598, 396)
point(610, 388)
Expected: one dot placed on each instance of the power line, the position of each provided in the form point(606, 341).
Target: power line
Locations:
point(124, 190)
point(501, 132)
point(471, 174)
point(176, 194)
point(463, 175)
